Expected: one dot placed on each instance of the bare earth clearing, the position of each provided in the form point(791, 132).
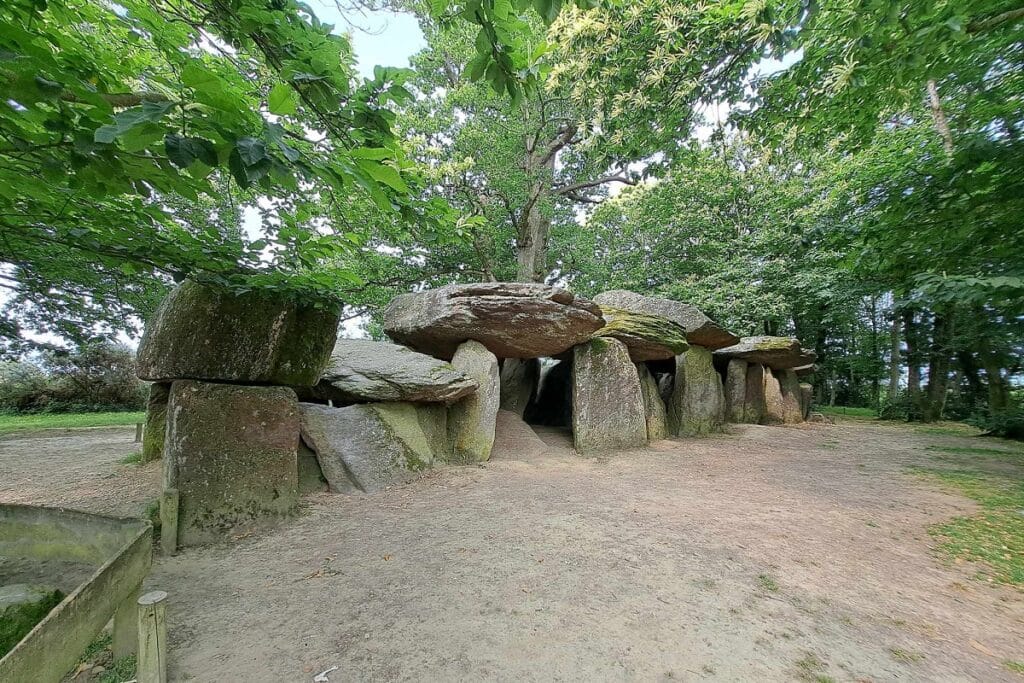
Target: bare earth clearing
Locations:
point(767, 554)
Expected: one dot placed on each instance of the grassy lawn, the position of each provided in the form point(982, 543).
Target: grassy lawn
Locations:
point(993, 538)
point(14, 423)
point(843, 411)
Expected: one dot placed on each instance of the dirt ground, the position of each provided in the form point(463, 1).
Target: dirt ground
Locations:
point(767, 554)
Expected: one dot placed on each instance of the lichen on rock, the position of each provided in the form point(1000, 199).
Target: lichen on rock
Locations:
point(648, 337)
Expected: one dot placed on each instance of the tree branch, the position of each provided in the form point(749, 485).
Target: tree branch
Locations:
point(571, 189)
point(995, 21)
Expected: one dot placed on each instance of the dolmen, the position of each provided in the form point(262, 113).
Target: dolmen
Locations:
point(255, 402)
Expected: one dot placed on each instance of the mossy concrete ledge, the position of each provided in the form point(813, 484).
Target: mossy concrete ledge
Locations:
point(120, 549)
point(212, 334)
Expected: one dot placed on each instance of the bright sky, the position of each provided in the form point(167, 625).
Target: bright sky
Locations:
point(384, 38)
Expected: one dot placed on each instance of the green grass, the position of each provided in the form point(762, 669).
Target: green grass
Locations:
point(768, 583)
point(15, 423)
point(810, 668)
point(905, 655)
point(843, 411)
point(1016, 667)
point(99, 652)
point(132, 458)
point(993, 538)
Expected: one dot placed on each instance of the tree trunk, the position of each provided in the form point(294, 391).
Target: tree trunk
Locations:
point(938, 368)
point(894, 357)
point(910, 333)
point(876, 361)
point(532, 244)
point(939, 117)
point(998, 391)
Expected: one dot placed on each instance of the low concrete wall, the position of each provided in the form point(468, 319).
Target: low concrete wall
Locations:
point(122, 551)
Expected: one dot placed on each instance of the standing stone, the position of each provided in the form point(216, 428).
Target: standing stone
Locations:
point(212, 334)
point(806, 399)
point(607, 405)
point(519, 378)
point(753, 398)
point(471, 421)
point(736, 390)
point(511, 319)
point(231, 454)
point(774, 407)
point(789, 384)
point(666, 383)
point(697, 405)
point(654, 408)
point(367, 447)
point(156, 421)
point(311, 475)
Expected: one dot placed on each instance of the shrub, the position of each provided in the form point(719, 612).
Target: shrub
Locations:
point(1008, 423)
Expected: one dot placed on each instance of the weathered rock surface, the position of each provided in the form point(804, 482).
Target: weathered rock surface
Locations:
point(156, 421)
point(774, 406)
point(753, 397)
point(789, 385)
point(365, 371)
point(22, 606)
point(512, 319)
point(697, 405)
point(471, 421)
point(736, 390)
point(655, 412)
point(311, 475)
point(516, 440)
point(648, 337)
point(806, 370)
point(778, 353)
point(552, 406)
point(367, 447)
point(200, 332)
point(806, 399)
point(519, 379)
point(700, 329)
point(607, 406)
point(231, 453)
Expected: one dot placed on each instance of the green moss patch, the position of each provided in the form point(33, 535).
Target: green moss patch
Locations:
point(22, 607)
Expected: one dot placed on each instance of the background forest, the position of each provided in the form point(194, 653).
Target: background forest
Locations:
point(850, 172)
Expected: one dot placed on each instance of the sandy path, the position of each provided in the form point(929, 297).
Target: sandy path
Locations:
point(767, 554)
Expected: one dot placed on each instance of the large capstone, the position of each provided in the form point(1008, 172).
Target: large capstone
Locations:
point(364, 371)
point(22, 606)
point(231, 454)
point(778, 353)
point(607, 405)
point(736, 390)
point(700, 329)
point(648, 337)
point(371, 446)
point(511, 319)
point(156, 421)
point(697, 405)
point(519, 381)
point(753, 397)
point(789, 385)
point(211, 334)
point(471, 421)
point(654, 408)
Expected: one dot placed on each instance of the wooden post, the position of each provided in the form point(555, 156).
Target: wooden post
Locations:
point(138, 432)
point(169, 521)
point(151, 664)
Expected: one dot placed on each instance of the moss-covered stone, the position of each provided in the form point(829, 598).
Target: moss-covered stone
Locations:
point(607, 404)
point(735, 390)
point(231, 453)
point(156, 421)
point(22, 606)
point(206, 333)
point(471, 421)
point(700, 329)
point(648, 337)
point(697, 405)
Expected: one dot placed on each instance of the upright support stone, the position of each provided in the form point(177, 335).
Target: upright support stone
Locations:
point(806, 398)
point(231, 454)
point(519, 377)
point(607, 405)
point(169, 521)
point(156, 421)
point(753, 397)
point(789, 384)
point(774, 408)
point(736, 390)
point(654, 408)
point(472, 420)
point(697, 405)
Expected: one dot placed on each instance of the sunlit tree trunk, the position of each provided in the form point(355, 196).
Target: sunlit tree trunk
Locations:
point(894, 357)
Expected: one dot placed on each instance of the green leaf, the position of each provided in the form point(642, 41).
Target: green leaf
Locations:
point(251, 151)
point(283, 100)
point(183, 151)
point(383, 174)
